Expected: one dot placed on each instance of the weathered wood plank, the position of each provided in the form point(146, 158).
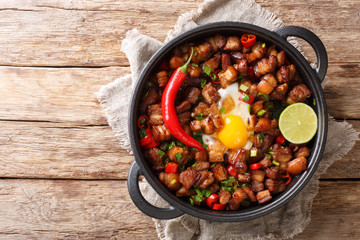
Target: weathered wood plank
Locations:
point(52, 150)
point(90, 33)
point(67, 94)
point(49, 209)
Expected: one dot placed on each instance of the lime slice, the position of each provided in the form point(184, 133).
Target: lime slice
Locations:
point(298, 123)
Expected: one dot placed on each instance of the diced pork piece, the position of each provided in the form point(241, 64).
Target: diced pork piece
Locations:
point(281, 58)
point(265, 162)
point(283, 74)
point(213, 63)
point(267, 84)
point(171, 180)
point(184, 117)
point(257, 186)
point(225, 61)
point(216, 152)
point(257, 175)
point(257, 106)
point(182, 107)
point(275, 186)
point(201, 166)
point(162, 78)
point(155, 115)
point(179, 155)
point(151, 98)
point(233, 43)
point(202, 52)
point(194, 71)
point(193, 94)
point(237, 155)
point(160, 133)
point(206, 178)
point(189, 177)
point(263, 124)
point(303, 152)
point(200, 109)
point(249, 193)
point(200, 156)
point(176, 62)
point(207, 126)
point(298, 94)
point(251, 123)
point(281, 154)
point(183, 192)
point(256, 157)
point(272, 172)
point(224, 196)
point(228, 76)
point(244, 178)
point(214, 187)
point(220, 172)
point(257, 54)
point(220, 41)
point(297, 166)
point(210, 94)
point(263, 197)
point(264, 142)
point(156, 159)
point(265, 65)
point(195, 125)
point(236, 56)
point(280, 91)
point(271, 51)
point(238, 196)
point(241, 66)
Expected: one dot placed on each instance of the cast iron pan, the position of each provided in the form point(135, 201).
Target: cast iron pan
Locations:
point(312, 79)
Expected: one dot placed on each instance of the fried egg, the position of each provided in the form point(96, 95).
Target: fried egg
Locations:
point(235, 133)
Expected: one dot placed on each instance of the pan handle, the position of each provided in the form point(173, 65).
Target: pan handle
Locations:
point(141, 203)
point(314, 41)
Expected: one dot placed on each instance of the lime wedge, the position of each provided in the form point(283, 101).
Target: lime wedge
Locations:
point(298, 123)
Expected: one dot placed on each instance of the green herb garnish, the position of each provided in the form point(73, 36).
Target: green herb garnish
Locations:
point(178, 157)
point(206, 69)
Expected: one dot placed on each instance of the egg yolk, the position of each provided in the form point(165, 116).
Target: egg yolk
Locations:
point(234, 134)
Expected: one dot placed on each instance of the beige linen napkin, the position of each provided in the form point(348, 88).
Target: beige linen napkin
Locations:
point(115, 97)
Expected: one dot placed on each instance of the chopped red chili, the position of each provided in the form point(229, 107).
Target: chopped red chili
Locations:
point(171, 167)
point(231, 170)
point(285, 175)
point(212, 199)
point(255, 166)
point(247, 40)
point(246, 98)
point(143, 121)
point(218, 206)
point(280, 139)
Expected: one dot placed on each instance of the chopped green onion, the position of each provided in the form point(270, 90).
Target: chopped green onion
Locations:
point(194, 164)
point(263, 45)
point(243, 185)
point(173, 182)
point(245, 97)
point(197, 133)
point(267, 155)
point(165, 147)
point(203, 82)
point(200, 116)
point(229, 182)
point(266, 96)
point(178, 157)
point(228, 189)
point(240, 77)
point(147, 93)
point(191, 201)
point(314, 101)
point(198, 192)
point(166, 160)
point(206, 146)
point(180, 144)
point(181, 168)
point(269, 104)
point(213, 76)
point(197, 198)
point(206, 193)
point(142, 133)
point(222, 110)
point(261, 112)
point(160, 153)
point(271, 153)
point(249, 108)
point(261, 135)
point(275, 163)
point(194, 64)
point(171, 145)
point(253, 153)
point(206, 69)
point(212, 165)
point(243, 88)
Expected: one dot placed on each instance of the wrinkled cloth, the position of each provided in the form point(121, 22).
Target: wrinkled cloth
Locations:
point(115, 97)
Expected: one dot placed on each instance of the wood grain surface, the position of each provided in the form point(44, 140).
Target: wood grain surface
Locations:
point(62, 172)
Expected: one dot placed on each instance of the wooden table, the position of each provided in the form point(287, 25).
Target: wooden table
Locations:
point(63, 174)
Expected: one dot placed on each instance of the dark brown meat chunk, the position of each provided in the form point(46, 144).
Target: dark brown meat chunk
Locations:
point(220, 172)
point(201, 108)
point(214, 187)
point(201, 166)
point(194, 71)
point(189, 177)
point(206, 178)
point(281, 58)
point(184, 117)
point(249, 193)
point(210, 94)
point(193, 94)
point(228, 76)
point(155, 115)
point(224, 196)
point(298, 94)
point(257, 175)
point(151, 98)
point(233, 43)
point(281, 154)
point(257, 157)
point(156, 159)
point(207, 126)
point(237, 158)
point(266, 84)
point(195, 125)
point(265, 65)
point(264, 143)
point(220, 41)
point(280, 91)
point(216, 152)
point(297, 166)
point(244, 178)
point(171, 180)
point(183, 192)
point(283, 74)
point(257, 106)
point(272, 172)
point(275, 186)
point(176, 62)
point(183, 107)
point(257, 54)
point(179, 155)
point(160, 133)
point(241, 66)
point(213, 63)
point(265, 162)
point(202, 52)
point(303, 152)
point(225, 61)
point(257, 186)
point(240, 194)
point(263, 124)
point(263, 197)
point(200, 156)
point(236, 56)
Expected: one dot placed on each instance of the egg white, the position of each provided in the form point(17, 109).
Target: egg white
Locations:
point(241, 109)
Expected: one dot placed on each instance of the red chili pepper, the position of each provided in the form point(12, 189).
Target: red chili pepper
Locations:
point(168, 107)
point(247, 40)
point(285, 175)
point(171, 167)
point(213, 198)
point(255, 166)
point(231, 170)
point(280, 139)
point(218, 206)
point(216, 80)
point(151, 144)
point(143, 122)
point(246, 98)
